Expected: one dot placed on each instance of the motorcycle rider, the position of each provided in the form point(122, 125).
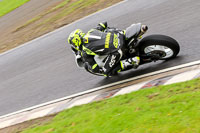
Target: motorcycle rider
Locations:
point(99, 50)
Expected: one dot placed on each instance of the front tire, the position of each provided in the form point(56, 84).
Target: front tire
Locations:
point(163, 46)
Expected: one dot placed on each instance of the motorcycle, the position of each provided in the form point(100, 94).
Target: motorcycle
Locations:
point(150, 48)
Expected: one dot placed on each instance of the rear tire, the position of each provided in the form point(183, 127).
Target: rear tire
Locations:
point(165, 45)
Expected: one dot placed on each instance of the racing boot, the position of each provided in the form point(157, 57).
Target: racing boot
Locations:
point(130, 63)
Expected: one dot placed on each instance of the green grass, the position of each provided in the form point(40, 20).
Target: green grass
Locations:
point(78, 5)
point(165, 109)
point(7, 6)
point(65, 9)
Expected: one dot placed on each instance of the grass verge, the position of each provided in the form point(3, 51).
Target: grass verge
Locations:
point(165, 109)
point(67, 7)
point(7, 6)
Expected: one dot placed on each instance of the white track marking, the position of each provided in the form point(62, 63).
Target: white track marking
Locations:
point(6, 123)
point(39, 113)
point(183, 77)
point(33, 115)
point(81, 101)
point(129, 89)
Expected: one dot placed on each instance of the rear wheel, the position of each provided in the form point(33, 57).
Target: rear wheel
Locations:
point(164, 47)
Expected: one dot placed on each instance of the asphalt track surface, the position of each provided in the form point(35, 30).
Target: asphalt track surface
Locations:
point(44, 69)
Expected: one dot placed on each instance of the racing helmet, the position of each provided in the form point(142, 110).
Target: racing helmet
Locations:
point(75, 38)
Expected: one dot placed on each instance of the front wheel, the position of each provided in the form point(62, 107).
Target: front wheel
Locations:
point(160, 46)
